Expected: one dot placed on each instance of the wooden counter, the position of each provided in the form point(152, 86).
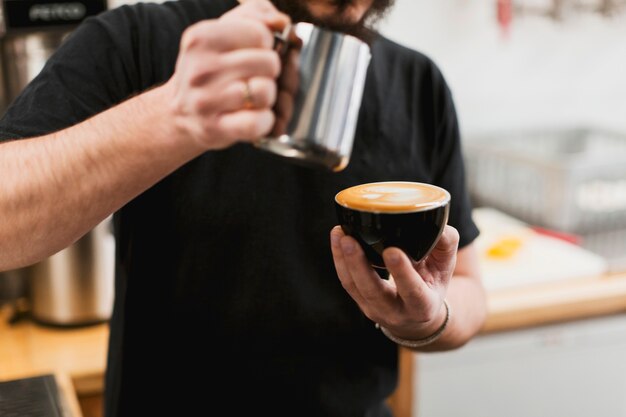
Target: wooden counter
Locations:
point(27, 349)
point(556, 302)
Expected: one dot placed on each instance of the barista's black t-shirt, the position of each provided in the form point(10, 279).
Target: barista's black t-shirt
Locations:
point(226, 294)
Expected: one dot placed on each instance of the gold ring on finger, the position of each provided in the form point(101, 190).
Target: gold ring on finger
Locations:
point(248, 101)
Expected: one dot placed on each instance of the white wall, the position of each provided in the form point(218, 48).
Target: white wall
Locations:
point(545, 73)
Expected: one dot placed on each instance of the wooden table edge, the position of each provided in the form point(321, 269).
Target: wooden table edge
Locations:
point(543, 304)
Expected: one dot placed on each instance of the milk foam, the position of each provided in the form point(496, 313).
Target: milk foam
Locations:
point(393, 197)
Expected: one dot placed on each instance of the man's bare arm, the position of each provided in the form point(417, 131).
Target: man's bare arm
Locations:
point(55, 188)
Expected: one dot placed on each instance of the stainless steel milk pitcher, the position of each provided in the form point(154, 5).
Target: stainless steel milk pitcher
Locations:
point(319, 96)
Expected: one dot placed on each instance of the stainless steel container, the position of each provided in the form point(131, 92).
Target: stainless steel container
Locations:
point(75, 286)
point(26, 55)
point(320, 91)
point(31, 30)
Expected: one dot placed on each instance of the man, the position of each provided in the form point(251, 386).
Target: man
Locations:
point(230, 293)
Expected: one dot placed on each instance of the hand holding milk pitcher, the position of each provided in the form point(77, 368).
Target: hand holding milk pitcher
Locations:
point(319, 96)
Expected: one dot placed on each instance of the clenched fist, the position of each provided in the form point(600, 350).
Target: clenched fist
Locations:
point(224, 85)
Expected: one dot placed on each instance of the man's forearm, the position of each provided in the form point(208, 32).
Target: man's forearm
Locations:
point(57, 187)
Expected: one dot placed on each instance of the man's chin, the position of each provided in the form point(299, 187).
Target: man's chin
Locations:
point(348, 11)
point(340, 17)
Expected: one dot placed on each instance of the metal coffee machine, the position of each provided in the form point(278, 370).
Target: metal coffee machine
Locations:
point(30, 31)
point(75, 286)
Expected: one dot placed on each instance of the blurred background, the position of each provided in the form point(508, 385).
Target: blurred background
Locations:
point(540, 90)
point(523, 63)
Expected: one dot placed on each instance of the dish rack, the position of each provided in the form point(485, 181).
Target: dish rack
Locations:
point(572, 181)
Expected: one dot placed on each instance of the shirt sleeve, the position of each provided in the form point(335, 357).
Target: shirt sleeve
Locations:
point(449, 169)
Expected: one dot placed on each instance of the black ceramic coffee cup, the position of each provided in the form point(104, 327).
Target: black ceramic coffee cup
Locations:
point(410, 216)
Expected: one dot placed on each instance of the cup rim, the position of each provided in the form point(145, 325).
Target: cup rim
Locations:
point(442, 203)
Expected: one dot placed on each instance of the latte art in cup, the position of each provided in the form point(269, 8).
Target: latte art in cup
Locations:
point(393, 197)
point(408, 215)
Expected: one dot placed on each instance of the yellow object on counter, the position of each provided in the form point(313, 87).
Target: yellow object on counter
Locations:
point(504, 248)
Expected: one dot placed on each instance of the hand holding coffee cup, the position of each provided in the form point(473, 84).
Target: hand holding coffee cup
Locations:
point(408, 215)
point(407, 221)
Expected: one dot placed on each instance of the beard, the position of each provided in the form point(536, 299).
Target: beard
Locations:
point(364, 29)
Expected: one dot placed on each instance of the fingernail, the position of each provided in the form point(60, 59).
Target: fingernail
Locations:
point(347, 247)
point(393, 258)
point(334, 239)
